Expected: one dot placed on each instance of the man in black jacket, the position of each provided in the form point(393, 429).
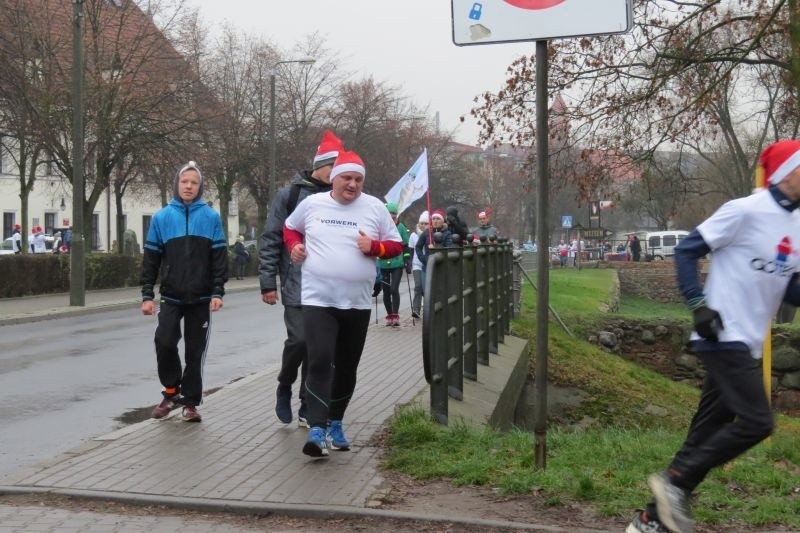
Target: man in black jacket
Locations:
point(274, 261)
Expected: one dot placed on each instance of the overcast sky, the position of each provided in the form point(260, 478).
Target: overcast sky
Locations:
point(407, 44)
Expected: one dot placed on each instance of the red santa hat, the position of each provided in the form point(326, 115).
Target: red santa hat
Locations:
point(777, 161)
point(348, 162)
point(437, 214)
point(485, 213)
point(328, 150)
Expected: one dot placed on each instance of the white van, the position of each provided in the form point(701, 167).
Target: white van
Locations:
point(660, 245)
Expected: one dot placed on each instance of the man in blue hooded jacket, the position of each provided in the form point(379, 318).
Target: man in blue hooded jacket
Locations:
point(187, 251)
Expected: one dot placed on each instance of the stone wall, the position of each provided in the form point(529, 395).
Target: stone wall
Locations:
point(661, 347)
point(654, 280)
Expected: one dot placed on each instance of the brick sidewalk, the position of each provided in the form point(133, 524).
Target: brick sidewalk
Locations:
point(240, 452)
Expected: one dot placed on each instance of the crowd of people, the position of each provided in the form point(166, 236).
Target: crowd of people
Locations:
point(328, 246)
point(325, 238)
point(38, 241)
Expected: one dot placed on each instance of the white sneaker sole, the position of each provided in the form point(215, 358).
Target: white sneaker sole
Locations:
point(664, 506)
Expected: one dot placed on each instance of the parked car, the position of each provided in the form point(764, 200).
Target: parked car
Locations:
point(7, 246)
point(661, 244)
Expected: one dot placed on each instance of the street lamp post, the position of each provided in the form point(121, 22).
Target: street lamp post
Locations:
point(273, 179)
point(77, 277)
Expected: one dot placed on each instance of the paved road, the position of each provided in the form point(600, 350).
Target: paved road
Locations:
point(74, 378)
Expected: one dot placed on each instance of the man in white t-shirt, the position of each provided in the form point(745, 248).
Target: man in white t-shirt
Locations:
point(337, 237)
point(755, 247)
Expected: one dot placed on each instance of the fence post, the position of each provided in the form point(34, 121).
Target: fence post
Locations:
point(468, 260)
point(494, 303)
point(434, 339)
point(482, 310)
point(455, 320)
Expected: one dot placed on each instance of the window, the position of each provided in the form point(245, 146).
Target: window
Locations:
point(654, 242)
point(8, 225)
point(145, 226)
point(49, 223)
point(94, 242)
point(669, 240)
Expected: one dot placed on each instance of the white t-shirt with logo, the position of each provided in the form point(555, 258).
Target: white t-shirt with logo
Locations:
point(755, 246)
point(335, 272)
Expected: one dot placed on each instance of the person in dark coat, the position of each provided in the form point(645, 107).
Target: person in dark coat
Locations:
point(240, 257)
point(636, 248)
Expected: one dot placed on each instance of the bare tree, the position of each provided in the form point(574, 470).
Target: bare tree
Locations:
point(688, 73)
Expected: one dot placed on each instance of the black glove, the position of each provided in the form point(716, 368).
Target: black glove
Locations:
point(707, 323)
point(408, 265)
point(376, 289)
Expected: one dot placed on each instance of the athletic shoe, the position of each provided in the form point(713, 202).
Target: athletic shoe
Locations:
point(336, 436)
point(672, 503)
point(641, 523)
point(302, 416)
point(191, 414)
point(317, 443)
point(415, 314)
point(161, 410)
point(283, 405)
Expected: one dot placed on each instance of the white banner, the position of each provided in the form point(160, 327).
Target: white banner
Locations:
point(411, 186)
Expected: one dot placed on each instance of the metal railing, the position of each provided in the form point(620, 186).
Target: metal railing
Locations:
point(471, 295)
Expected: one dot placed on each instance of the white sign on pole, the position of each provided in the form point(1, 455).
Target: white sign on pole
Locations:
point(498, 21)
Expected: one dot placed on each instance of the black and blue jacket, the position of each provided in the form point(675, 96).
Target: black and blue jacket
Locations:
point(187, 251)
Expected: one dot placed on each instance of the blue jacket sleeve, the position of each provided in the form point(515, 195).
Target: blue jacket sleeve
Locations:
point(687, 254)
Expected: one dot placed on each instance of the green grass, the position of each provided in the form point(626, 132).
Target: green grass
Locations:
point(606, 464)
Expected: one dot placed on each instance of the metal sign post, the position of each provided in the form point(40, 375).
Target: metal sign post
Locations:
point(502, 21)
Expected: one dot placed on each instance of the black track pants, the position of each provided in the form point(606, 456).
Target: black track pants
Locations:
point(334, 340)
point(391, 289)
point(196, 330)
point(732, 417)
point(294, 350)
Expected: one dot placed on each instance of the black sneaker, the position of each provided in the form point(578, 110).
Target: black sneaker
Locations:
point(283, 404)
point(641, 523)
point(672, 504)
point(415, 314)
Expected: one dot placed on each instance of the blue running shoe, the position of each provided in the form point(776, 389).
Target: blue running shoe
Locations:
point(316, 444)
point(336, 436)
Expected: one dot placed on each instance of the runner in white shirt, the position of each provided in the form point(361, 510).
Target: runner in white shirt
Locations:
point(337, 236)
point(755, 247)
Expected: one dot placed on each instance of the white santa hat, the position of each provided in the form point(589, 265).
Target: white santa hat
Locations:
point(777, 161)
point(348, 162)
point(424, 218)
point(328, 150)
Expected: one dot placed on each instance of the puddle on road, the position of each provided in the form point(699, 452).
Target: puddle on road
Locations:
point(140, 414)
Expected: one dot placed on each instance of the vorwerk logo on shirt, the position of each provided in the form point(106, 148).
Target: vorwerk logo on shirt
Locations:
point(340, 223)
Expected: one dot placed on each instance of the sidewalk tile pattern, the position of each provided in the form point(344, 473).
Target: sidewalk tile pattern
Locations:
point(240, 451)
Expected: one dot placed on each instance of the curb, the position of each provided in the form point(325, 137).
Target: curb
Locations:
point(210, 505)
point(63, 312)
